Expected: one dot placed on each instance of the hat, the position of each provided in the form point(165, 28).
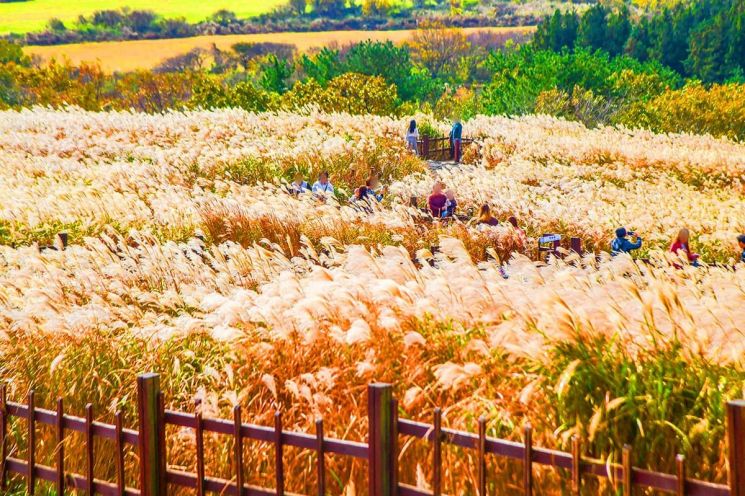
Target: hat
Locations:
point(741, 238)
point(621, 232)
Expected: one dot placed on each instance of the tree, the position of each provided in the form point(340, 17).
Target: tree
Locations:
point(619, 30)
point(329, 8)
point(557, 32)
point(298, 6)
point(391, 62)
point(108, 18)
point(706, 59)
point(350, 92)
point(322, 66)
point(593, 28)
point(56, 25)
point(12, 53)
point(224, 17)
point(439, 49)
point(193, 60)
point(141, 21)
point(376, 7)
point(275, 73)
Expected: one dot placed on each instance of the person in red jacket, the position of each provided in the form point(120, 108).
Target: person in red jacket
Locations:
point(437, 200)
point(681, 247)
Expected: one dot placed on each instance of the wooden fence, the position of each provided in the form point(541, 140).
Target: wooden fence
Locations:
point(440, 149)
point(381, 451)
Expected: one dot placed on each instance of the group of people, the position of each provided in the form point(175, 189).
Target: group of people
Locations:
point(456, 139)
point(680, 245)
point(321, 188)
point(442, 203)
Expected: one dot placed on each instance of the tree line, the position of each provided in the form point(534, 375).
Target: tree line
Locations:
point(703, 39)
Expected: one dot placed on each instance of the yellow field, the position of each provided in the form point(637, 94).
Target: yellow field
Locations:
point(22, 17)
point(145, 54)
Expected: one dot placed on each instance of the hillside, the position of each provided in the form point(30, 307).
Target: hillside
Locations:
point(33, 15)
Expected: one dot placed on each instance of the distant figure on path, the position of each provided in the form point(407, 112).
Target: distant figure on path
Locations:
point(437, 200)
point(412, 136)
point(456, 139)
point(485, 217)
point(299, 185)
point(323, 187)
point(681, 244)
point(623, 245)
point(741, 243)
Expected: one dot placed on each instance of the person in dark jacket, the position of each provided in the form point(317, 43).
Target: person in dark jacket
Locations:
point(623, 245)
point(741, 243)
point(437, 201)
point(456, 136)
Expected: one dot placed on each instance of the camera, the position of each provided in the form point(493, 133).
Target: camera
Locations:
point(631, 233)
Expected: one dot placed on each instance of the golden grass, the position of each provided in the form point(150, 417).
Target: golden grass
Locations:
point(146, 54)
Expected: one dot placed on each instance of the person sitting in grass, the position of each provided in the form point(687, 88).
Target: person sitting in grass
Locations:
point(299, 185)
point(323, 188)
point(485, 218)
point(623, 245)
point(681, 247)
point(373, 188)
point(741, 243)
point(450, 205)
point(437, 200)
point(361, 193)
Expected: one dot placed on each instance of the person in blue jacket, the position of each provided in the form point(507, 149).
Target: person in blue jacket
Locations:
point(741, 243)
point(622, 245)
point(456, 136)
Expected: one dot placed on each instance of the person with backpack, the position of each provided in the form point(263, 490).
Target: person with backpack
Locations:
point(622, 245)
point(741, 244)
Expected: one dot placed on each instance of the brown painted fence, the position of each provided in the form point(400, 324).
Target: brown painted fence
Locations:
point(381, 451)
point(438, 148)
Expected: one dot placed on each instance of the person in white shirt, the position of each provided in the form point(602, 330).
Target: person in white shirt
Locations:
point(323, 187)
point(412, 136)
point(299, 185)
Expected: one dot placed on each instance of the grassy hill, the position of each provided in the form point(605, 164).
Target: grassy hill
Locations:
point(32, 15)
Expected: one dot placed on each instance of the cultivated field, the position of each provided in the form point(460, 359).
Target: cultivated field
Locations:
point(298, 303)
point(33, 15)
point(146, 54)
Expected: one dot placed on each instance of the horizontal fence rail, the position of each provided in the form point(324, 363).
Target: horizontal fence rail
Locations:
point(381, 451)
point(439, 148)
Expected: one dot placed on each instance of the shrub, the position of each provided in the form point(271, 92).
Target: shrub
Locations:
point(352, 93)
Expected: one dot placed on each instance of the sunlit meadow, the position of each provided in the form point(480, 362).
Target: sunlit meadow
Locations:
point(294, 304)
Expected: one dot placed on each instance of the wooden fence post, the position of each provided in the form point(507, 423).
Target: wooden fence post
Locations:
point(152, 436)
point(380, 439)
point(736, 446)
point(425, 146)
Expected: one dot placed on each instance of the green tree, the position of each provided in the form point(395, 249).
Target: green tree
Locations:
point(593, 28)
point(13, 53)
point(275, 74)
point(322, 66)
